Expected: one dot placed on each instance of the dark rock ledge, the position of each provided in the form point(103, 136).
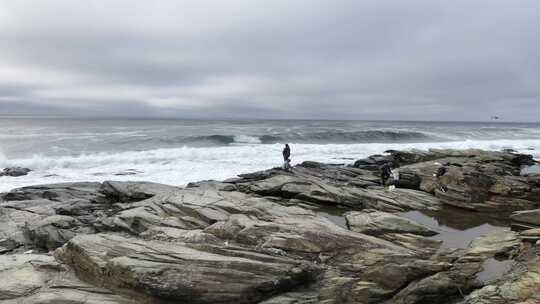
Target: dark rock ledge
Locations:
point(14, 171)
point(277, 237)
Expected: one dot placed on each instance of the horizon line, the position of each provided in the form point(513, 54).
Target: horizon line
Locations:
point(245, 118)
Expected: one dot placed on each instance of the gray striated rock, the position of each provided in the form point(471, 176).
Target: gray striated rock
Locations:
point(185, 273)
point(520, 285)
point(374, 222)
point(38, 279)
point(327, 185)
point(530, 235)
point(396, 229)
point(476, 180)
point(54, 231)
point(133, 191)
point(528, 216)
point(460, 278)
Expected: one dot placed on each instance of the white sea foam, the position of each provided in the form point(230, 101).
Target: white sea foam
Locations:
point(247, 139)
point(178, 166)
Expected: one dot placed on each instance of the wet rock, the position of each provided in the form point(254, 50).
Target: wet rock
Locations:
point(15, 171)
point(459, 279)
point(521, 284)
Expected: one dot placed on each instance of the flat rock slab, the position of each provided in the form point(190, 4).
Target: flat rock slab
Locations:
point(181, 272)
point(528, 216)
point(376, 223)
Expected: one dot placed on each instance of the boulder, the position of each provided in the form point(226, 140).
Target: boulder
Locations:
point(15, 171)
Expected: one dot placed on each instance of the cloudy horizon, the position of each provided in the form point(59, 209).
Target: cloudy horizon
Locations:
point(390, 60)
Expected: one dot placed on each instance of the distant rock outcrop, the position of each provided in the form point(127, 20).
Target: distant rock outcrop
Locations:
point(15, 171)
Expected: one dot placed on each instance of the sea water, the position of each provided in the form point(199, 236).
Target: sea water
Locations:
point(176, 152)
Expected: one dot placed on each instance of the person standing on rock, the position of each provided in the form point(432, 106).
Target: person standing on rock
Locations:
point(441, 171)
point(286, 157)
point(395, 178)
point(386, 172)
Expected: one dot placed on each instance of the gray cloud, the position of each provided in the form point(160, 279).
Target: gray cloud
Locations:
point(458, 60)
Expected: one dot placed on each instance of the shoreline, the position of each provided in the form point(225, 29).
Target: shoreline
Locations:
point(181, 166)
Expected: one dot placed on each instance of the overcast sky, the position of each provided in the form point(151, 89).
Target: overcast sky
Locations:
point(358, 59)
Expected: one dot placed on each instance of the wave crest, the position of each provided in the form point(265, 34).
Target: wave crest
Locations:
point(321, 137)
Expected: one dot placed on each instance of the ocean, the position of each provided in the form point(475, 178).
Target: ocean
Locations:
point(180, 151)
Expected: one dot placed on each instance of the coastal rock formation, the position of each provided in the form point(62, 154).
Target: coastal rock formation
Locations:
point(319, 234)
point(332, 185)
point(14, 171)
point(461, 277)
point(520, 284)
point(476, 179)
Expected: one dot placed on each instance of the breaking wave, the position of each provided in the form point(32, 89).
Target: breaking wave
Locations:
point(178, 166)
point(322, 137)
point(335, 136)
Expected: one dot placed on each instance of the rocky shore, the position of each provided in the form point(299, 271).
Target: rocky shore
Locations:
point(320, 234)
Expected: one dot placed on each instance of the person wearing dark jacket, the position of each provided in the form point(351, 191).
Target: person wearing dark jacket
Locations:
point(286, 157)
point(286, 152)
point(386, 172)
point(441, 171)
